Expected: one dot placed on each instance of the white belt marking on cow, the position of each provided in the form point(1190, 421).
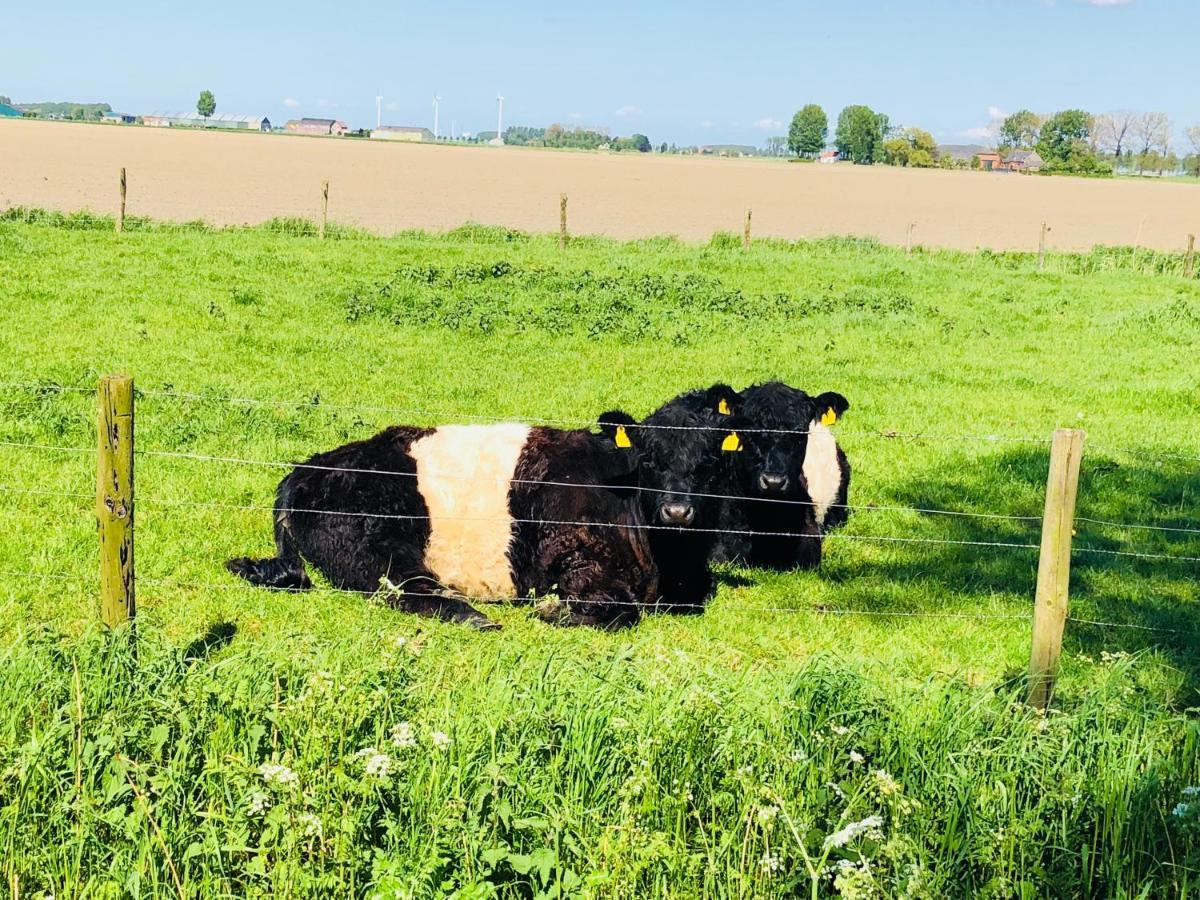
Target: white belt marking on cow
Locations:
point(464, 473)
point(821, 469)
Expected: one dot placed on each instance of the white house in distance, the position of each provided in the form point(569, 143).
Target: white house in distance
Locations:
point(216, 120)
point(410, 133)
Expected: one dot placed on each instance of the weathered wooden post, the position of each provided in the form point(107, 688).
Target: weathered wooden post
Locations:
point(908, 240)
point(1189, 261)
point(746, 231)
point(562, 221)
point(121, 210)
point(1042, 248)
point(324, 207)
point(114, 498)
point(1054, 564)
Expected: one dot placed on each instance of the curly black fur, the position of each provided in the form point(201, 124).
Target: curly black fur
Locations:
point(604, 575)
point(772, 468)
point(681, 462)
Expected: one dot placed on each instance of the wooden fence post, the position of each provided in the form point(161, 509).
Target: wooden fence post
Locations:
point(1189, 261)
point(562, 221)
point(121, 210)
point(324, 207)
point(908, 240)
point(1042, 248)
point(1054, 564)
point(114, 498)
point(746, 231)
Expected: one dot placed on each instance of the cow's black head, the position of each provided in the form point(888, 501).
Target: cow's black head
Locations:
point(682, 461)
point(776, 436)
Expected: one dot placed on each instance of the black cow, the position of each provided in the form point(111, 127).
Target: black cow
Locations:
point(794, 477)
point(687, 449)
point(484, 511)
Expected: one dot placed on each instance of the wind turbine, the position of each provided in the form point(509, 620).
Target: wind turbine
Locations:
point(500, 118)
point(378, 111)
point(436, 100)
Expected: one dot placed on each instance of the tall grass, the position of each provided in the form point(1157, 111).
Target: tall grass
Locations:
point(811, 734)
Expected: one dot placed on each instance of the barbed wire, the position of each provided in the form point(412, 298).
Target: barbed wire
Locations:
point(1101, 624)
point(1138, 526)
point(314, 402)
point(1132, 553)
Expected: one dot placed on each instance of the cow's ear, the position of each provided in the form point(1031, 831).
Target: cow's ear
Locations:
point(830, 406)
point(723, 400)
point(614, 426)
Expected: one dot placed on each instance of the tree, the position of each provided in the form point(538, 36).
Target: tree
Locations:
point(1111, 129)
point(860, 134)
point(1193, 161)
point(1152, 131)
point(777, 145)
point(1020, 130)
point(910, 147)
point(1061, 133)
point(810, 126)
point(640, 143)
point(206, 105)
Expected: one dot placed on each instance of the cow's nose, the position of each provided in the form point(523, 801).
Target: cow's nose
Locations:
point(677, 513)
point(772, 484)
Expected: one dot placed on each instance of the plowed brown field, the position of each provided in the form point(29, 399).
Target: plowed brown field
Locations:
point(228, 178)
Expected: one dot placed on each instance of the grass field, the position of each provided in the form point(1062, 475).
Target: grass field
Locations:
point(854, 732)
point(237, 179)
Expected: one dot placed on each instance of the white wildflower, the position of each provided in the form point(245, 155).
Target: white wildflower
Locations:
point(770, 862)
point(376, 763)
point(839, 730)
point(1180, 810)
point(399, 641)
point(856, 757)
point(837, 790)
point(277, 774)
point(1191, 791)
point(798, 756)
point(851, 831)
point(439, 739)
point(312, 826)
point(619, 723)
point(767, 814)
point(258, 804)
point(402, 735)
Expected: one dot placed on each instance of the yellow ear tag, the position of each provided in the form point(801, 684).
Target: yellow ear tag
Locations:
point(723, 407)
point(829, 417)
point(732, 443)
point(621, 439)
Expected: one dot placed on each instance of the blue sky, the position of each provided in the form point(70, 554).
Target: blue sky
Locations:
point(679, 72)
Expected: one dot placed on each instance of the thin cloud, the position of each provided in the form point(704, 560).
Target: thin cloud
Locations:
point(291, 102)
point(629, 110)
point(996, 112)
point(768, 124)
point(575, 116)
point(1107, 2)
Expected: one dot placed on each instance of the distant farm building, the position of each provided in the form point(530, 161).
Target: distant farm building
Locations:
point(989, 161)
point(828, 156)
point(963, 153)
point(217, 120)
point(1023, 161)
point(401, 133)
point(116, 118)
point(316, 126)
point(9, 112)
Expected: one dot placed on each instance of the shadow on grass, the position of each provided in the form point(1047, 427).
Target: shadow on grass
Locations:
point(1157, 598)
point(219, 635)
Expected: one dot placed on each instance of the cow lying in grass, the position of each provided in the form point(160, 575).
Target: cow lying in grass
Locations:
point(790, 478)
point(686, 456)
point(484, 511)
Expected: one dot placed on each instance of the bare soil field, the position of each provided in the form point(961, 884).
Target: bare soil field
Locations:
point(228, 178)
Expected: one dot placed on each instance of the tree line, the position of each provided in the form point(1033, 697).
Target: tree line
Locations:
point(1070, 141)
point(574, 138)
